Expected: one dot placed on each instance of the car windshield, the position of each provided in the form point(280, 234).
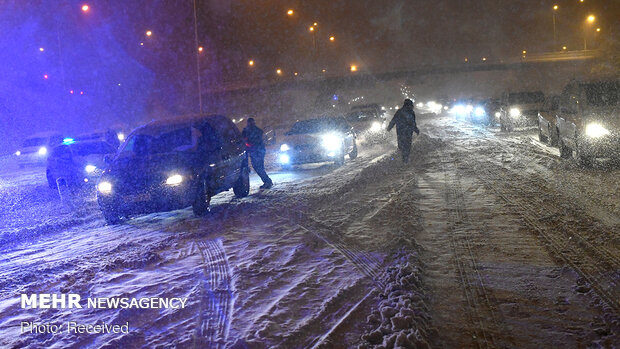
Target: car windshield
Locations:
point(34, 142)
point(526, 98)
point(317, 126)
point(167, 142)
point(361, 115)
point(84, 149)
point(602, 94)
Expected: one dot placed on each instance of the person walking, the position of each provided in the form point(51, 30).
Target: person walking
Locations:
point(404, 120)
point(255, 147)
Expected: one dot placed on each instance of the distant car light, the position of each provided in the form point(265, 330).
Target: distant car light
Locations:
point(514, 112)
point(595, 130)
point(174, 180)
point(284, 159)
point(479, 112)
point(284, 147)
point(42, 151)
point(105, 187)
point(498, 114)
point(90, 168)
point(469, 108)
point(120, 136)
point(375, 127)
point(18, 153)
point(459, 109)
point(332, 141)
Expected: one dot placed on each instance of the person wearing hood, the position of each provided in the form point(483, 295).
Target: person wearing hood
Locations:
point(255, 147)
point(404, 120)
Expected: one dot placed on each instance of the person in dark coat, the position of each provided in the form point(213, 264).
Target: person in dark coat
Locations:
point(404, 120)
point(255, 147)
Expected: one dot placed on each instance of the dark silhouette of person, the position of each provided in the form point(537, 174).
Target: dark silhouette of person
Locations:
point(255, 147)
point(404, 120)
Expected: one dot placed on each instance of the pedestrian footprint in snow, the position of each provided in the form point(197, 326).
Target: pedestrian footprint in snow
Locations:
point(404, 120)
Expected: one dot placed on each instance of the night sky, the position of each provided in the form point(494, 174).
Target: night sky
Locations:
point(124, 74)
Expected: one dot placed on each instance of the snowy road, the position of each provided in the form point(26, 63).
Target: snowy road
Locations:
point(484, 240)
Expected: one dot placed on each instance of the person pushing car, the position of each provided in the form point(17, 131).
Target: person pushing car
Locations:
point(404, 120)
point(255, 147)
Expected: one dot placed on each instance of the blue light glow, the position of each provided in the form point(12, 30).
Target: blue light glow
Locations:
point(284, 159)
point(68, 141)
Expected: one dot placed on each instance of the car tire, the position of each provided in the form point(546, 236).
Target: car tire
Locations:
point(242, 186)
point(111, 217)
point(51, 181)
point(203, 198)
point(353, 153)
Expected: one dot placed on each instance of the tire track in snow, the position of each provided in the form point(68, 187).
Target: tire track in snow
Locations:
point(217, 296)
point(481, 307)
point(363, 261)
point(593, 262)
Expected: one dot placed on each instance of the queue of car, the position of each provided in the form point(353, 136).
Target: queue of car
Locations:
point(583, 122)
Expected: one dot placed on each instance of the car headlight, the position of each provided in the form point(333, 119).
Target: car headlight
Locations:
point(469, 108)
point(498, 114)
point(479, 111)
point(120, 136)
point(105, 187)
point(332, 141)
point(174, 179)
point(284, 147)
point(90, 168)
point(514, 112)
point(459, 109)
point(18, 153)
point(375, 127)
point(42, 151)
point(595, 130)
point(284, 159)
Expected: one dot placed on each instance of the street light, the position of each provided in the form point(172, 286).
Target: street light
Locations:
point(353, 68)
point(279, 71)
point(85, 8)
point(41, 49)
point(332, 38)
point(251, 63)
point(290, 12)
point(200, 48)
point(555, 9)
point(149, 33)
point(598, 30)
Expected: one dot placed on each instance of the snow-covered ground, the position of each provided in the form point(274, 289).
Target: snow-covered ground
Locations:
point(483, 240)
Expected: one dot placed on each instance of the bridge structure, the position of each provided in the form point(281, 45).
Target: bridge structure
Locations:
point(298, 97)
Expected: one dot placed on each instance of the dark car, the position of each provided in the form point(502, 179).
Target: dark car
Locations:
point(589, 120)
point(175, 163)
point(318, 140)
point(519, 109)
point(76, 163)
point(547, 115)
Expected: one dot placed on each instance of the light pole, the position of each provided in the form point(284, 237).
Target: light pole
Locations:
point(197, 59)
point(589, 20)
point(555, 9)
